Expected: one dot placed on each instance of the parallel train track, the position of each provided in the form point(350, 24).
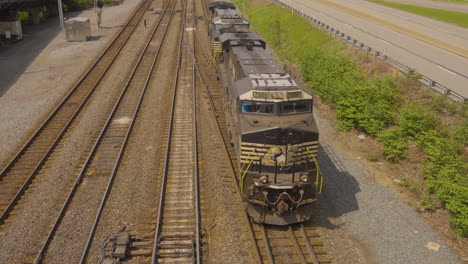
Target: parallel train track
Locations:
point(177, 234)
point(20, 171)
point(97, 174)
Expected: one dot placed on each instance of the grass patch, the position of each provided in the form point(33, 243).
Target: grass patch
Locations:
point(379, 106)
point(72, 5)
point(24, 18)
point(458, 18)
point(452, 1)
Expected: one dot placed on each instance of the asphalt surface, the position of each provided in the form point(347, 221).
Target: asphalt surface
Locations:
point(435, 49)
point(16, 57)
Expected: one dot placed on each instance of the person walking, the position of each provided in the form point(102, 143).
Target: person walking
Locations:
point(100, 4)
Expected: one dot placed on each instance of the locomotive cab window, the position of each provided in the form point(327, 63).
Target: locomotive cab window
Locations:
point(295, 107)
point(257, 107)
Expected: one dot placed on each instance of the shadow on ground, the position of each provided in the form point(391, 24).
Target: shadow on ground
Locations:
point(339, 190)
point(15, 58)
point(94, 38)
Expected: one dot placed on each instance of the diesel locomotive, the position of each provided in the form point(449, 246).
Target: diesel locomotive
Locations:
point(270, 123)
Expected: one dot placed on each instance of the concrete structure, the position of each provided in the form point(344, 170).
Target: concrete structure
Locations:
point(78, 29)
point(11, 29)
point(9, 11)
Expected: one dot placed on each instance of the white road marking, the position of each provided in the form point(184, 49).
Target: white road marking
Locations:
point(447, 70)
point(386, 42)
point(348, 25)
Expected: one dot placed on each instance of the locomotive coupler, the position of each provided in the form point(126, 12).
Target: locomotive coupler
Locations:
point(282, 207)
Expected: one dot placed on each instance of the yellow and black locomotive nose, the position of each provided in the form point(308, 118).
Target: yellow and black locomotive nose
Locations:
point(279, 147)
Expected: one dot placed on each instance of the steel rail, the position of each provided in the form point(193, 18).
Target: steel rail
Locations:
point(4, 215)
point(231, 166)
point(195, 139)
point(78, 181)
point(296, 245)
point(114, 170)
point(268, 249)
point(158, 228)
point(309, 247)
point(205, 8)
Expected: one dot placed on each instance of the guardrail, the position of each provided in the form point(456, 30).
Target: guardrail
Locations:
point(439, 88)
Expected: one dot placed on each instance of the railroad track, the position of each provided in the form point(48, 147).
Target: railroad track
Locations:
point(272, 244)
point(177, 232)
point(17, 175)
point(212, 92)
point(289, 244)
point(80, 213)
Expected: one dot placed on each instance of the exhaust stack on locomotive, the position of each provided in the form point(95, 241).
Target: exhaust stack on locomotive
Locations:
point(272, 129)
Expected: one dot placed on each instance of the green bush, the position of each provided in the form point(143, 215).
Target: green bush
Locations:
point(373, 157)
point(446, 175)
point(413, 75)
point(438, 102)
point(460, 133)
point(453, 108)
point(24, 18)
point(394, 144)
point(427, 201)
point(363, 104)
point(43, 15)
point(414, 119)
point(72, 5)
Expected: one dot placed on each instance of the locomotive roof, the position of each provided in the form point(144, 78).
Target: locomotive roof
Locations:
point(220, 4)
point(256, 60)
point(273, 82)
point(267, 81)
point(262, 72)
point(229, 40)
point(235, 29)
point(227, 13)
point(228, 19)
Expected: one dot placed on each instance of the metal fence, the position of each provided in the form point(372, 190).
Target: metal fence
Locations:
point(356, 43)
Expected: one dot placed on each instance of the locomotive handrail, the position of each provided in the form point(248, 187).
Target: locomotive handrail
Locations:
point(243, 164)
point(318, 174)
point(243, 175)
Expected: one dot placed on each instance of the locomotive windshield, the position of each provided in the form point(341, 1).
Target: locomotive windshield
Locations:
point(294, 107)
point(257, 107)
point(282, 108)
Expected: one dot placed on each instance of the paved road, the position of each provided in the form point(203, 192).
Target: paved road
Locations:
point(435, 49)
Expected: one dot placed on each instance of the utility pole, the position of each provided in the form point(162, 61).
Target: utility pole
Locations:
point(59, 5)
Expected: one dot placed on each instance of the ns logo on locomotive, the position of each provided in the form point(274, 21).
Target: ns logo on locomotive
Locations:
point(270, 123)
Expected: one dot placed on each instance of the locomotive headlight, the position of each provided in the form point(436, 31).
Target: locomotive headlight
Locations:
point(304, 178)
point(264, 179)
